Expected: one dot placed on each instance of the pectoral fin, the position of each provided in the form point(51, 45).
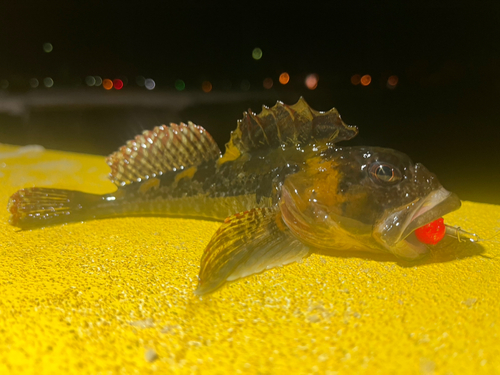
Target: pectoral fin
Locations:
point(247, 243)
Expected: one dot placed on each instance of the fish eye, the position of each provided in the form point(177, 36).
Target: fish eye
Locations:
point(386, 173)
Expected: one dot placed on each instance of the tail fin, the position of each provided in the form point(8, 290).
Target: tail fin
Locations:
point(38, 207)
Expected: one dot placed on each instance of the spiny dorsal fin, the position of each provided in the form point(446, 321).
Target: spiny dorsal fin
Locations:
point(163, 149)
point(285, 125)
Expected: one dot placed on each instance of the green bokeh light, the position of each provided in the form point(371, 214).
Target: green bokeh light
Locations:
point(90, 80)
point(47, 47)
point(257, 53)
point(48, 82)
point(34, 83)
point(180, 85)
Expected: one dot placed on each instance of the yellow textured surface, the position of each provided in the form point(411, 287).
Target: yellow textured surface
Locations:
point(115, 296)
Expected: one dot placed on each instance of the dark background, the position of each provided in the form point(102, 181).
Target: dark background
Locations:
point(443, 112)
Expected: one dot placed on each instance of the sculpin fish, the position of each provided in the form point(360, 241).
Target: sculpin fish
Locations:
point(283, 188)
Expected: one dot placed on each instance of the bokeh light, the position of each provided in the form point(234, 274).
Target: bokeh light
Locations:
point(98, 81)
point(34, 83)
point(245, 85)
point(392, 82)
point(356, 79)
point(107, 84)
point(180, 85)
point(366, 80)
point(47, 47)
point(312, 81)
point(149, 83)
point(140, 80)
point(257, 53)
point(48, 82)
point(284, 78)
point(268, 83)
point(118, 84)
point(4, 84)
point(206, 86)
point(90, 80)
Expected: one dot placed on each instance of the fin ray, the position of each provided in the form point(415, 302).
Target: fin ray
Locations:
point(247, 243)
point(163, 149)
point(285, 125)
point(37, 207)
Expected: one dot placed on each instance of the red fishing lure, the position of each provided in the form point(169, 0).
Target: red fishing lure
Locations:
point(431, 233)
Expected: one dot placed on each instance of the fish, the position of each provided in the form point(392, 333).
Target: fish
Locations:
point(282, 190)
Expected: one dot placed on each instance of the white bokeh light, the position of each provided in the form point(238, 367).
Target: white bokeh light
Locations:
point(149, 84)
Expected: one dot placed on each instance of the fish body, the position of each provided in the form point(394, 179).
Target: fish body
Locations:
point(282, 188)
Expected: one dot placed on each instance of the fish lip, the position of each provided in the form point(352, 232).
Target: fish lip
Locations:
point(433, 207)
point(401, 223)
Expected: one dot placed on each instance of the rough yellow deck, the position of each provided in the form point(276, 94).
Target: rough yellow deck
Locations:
point(115, 296)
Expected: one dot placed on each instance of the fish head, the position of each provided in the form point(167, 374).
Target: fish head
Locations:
point(365, 199)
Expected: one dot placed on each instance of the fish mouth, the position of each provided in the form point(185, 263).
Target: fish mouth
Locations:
point(396, 230)
point(433, 207)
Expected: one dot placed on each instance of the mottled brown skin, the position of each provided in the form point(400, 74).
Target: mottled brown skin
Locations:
point(339, 191)
point(283, 187)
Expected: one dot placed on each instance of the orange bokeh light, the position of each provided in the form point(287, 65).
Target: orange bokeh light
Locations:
point(206, 86)
point(107, 84)
point(284, 78)
point(312, 81)
point(366, 80)
point(356, 79)
point(268, 83)
point(392, 81)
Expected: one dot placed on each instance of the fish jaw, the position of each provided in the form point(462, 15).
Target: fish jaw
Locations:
point(395, 231)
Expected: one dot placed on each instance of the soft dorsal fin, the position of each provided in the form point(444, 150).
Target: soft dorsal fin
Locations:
point(285, 125)
point(163, 149)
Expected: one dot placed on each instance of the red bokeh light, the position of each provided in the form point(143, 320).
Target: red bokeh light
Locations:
point(312, 81)
point(118, 84)
point(268, 83)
